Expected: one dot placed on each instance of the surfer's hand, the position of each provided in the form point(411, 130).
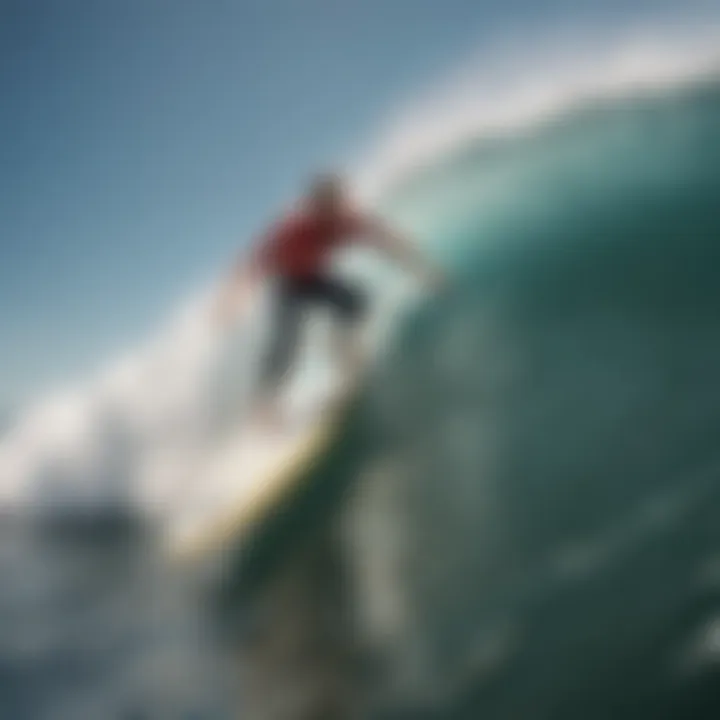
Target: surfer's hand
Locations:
point(225, 308)
point(222, 312)
point(235, 305)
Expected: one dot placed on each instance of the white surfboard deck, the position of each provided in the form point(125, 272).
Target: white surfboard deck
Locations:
point(250, 472)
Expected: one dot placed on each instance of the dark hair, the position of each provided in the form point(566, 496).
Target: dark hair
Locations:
point(325, 181)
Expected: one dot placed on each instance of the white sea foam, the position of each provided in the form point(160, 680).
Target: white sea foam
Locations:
point(138, 429)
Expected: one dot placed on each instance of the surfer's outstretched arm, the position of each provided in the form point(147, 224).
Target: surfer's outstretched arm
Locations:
point(403, 251)
point(234, 290)
point(247, 273)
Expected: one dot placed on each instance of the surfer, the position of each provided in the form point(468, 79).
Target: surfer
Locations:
point(295, 252)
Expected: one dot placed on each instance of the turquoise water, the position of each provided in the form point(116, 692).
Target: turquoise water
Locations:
point(529, 489)
point(551, 428)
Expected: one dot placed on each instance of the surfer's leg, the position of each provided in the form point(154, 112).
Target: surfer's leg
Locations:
point(349, 305)
point(348, 348)
point(282, 348)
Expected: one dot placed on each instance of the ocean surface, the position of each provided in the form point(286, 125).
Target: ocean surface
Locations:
point(529, 526)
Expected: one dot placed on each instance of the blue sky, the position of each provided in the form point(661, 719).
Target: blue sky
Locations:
point(142, 141)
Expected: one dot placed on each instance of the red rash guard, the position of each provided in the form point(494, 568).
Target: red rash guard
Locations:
point(301, 244)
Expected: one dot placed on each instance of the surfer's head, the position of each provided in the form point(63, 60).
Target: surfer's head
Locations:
point(327, 194)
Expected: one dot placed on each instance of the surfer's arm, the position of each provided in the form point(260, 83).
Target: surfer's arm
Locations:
point(248, 271)
point(402, 250)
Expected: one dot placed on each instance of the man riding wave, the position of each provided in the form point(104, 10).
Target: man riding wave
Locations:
point(295, 252)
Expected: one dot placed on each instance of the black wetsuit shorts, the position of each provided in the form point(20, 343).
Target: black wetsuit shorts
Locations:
point(292, 297)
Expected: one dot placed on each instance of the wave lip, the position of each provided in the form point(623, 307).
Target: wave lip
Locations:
point(519, 84)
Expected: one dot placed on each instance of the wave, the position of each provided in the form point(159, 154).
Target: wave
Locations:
point(130, 434)
point(541, 455)
point(529, 79)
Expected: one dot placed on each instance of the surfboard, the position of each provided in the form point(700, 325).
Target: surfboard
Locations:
point(250, 473)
